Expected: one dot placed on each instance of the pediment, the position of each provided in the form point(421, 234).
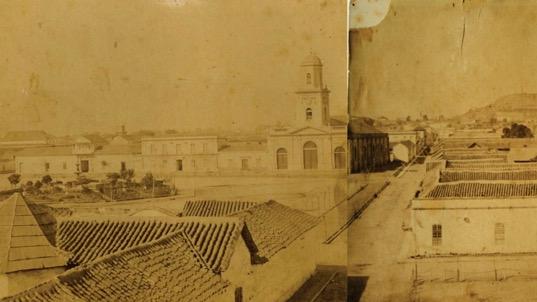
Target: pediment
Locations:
point(309, 131)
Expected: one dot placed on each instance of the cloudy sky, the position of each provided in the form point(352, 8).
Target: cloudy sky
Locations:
point(442, 57)
point(68, 66)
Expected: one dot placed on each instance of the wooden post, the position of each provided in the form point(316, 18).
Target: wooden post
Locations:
point(415, 271)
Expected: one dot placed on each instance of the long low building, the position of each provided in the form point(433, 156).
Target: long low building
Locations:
point(471, 226)
point(476, 205)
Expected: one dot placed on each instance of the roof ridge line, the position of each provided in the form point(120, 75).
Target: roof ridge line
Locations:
point(195, 250)
point(6, 261)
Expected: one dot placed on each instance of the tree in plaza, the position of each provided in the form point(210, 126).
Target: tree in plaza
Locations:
point(46, 179)
point(127, 175)
point(148, 180)
point(14, 179)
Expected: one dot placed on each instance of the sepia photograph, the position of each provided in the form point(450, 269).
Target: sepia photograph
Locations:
point(173, 150)
point(276, 151)
point(443, 106)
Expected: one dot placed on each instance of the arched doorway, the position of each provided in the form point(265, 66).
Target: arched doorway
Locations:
point(339, 158)
point(310, 156)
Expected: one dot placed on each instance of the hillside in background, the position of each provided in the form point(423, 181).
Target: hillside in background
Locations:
point(513, 108)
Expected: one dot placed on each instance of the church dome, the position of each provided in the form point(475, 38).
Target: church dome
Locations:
point(311, 59)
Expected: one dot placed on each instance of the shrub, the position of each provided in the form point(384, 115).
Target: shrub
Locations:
point(46, 179)
point(38, 185)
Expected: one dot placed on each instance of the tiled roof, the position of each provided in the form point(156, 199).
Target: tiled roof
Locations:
point(88, 239)
point(338, 121)
point(243, 146)
point(168, 269)
point(449, 175)
point(46, 151)
point(470, 162)
point(212, 208)
point(96, 139)
point(360, 125)
point(491, 190)
point(274, 226)
point(119, 149)
point(26, 237)
point(451, 156)
point(492, 166)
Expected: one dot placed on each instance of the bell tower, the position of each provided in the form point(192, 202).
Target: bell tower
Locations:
point(312, 107)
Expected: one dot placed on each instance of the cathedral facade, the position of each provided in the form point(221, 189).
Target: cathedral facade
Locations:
point(316, 141)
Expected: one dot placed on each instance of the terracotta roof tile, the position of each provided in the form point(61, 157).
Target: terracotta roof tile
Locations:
point(490, 190)
point(274, 226)
point(88, 239)
point(449, 176)
point(208, 208)
point(164, 270)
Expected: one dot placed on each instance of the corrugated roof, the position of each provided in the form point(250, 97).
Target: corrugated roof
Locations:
point(168, 269)
point(214, 208)
point(88, 239)
point(26, 234)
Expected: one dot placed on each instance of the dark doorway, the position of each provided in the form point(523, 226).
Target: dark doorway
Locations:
point(355, 287)
point(84, 166)
point(238, 294)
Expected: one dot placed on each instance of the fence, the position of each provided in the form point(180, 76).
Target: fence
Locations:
point(486, 268)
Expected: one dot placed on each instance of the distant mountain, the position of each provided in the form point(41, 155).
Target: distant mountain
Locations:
point(513, 107)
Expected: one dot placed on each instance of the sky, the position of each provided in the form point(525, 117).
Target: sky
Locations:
point(442, 57)
point(71, 66)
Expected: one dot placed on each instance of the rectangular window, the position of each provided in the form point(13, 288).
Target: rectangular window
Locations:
point(64, 166)
point(499, 233)
point(47, 167)
point(179, 165)
point(192, 148)
point(164, 149)
point(193, 164)
point(84, 166)
point(205, 148)
point(178, 149)
point(437, 234)
point(244, 164)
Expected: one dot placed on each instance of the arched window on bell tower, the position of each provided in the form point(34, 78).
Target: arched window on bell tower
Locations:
point(309, 114)
point(308, 78)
